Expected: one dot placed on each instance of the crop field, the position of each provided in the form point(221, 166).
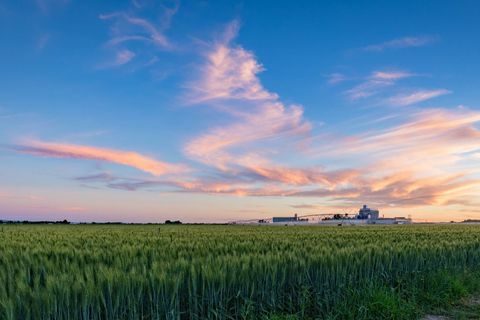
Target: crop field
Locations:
point(235, 272)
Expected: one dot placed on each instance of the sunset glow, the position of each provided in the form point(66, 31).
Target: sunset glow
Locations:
point(146, 111)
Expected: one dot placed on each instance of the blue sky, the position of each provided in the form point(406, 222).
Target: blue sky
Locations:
point(212, 111)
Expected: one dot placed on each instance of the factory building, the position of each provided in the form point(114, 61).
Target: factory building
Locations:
point(289, 220)
point(365, 216)
point(396, 220)
point(367, 213)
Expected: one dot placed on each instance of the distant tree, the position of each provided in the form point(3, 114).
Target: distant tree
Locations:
point(173, 222)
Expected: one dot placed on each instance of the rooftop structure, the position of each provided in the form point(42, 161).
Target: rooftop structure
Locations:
point(367, 213)
point(289, 220)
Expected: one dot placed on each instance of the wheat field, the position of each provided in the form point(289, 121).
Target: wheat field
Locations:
point(234, 272)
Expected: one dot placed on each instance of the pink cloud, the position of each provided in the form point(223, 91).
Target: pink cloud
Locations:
point(390, 75)
point(416, 97)
point(438, 133)
point(129, 26)
point(229, 78)
point(273, 121)
point(387, 176)
point(375, 83)
point(394, 173)
point(123, 57)
point(127, 158)
point(145, 31)
point(230, 72)
point(384, 166)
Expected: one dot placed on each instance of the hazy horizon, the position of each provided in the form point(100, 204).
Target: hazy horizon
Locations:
point(143, 111)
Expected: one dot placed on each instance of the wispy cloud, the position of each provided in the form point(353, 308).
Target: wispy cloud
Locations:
point(123, 57)
point(390, 75)
point(270, 122)
point(375, 83)
point(382, 83)
point(394, 173)
point(398, 172)
point(416, 97)
point(43, 41)
point(99, 177)
point(129, 27)
point(127, 158)
point(336, 77)
point(387, 177)
point(399, 43)
point(47, 5)
point(442, 134)
point(243, 154)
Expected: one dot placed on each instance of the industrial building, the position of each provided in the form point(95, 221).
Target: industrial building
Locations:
point(289, 220)
point(365, 215)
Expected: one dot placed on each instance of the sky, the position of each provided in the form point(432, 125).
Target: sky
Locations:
point(215, 111)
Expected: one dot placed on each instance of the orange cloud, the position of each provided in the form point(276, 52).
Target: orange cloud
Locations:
point(127, 158)
point(396, 171)
point(440, 135)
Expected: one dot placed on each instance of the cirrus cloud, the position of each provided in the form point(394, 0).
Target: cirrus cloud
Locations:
point(416, 97)
point(400, 43)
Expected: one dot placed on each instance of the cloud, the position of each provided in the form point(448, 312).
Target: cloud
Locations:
point(42, 42)
point(140, 29)
point(130, 33)
point(379, 82)
point(123, 57)
point(272, 121)
point(127, 158)
point(375, 83)
point(367, 89)
point(99, 177)
point(416, 97)
point(441, 135)
point(336, 77)
point(395, 172)
point(386, 165)
point(263, 125)
point(420, 161)
point(431, 191)
point(390, 75)
point(306, 206)
point(47, 5)
point(400, 43)
point(228, 81)
point(230, 72)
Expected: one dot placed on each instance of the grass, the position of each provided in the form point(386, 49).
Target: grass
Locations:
point(236, 272)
